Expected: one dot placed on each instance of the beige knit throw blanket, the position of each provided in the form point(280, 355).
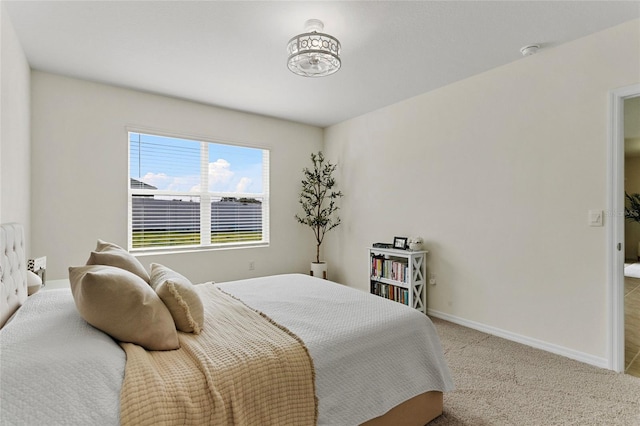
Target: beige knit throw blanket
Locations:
point(243, 369)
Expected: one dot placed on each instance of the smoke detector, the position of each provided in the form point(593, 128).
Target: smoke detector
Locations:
point(530, 49)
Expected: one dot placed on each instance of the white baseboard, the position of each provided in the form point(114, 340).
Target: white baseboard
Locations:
point(534, 343)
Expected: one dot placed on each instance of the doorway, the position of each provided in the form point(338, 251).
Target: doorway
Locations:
point(631, 126)
point(624, 253)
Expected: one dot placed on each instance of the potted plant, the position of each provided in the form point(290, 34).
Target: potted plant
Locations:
point(318, 201)
point(632, 209)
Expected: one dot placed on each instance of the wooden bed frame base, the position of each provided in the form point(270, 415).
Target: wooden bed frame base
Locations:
point(417, 411)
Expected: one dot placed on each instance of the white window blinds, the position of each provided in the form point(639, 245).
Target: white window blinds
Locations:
point(189, 194)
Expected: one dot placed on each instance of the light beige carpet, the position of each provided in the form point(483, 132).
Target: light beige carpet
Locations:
point(499, 382)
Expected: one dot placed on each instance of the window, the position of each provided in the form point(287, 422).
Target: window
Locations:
point(192, 194)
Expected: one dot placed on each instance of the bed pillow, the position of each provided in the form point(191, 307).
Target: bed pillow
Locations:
point(180, 297)
point(114, 255)
point(122, 305)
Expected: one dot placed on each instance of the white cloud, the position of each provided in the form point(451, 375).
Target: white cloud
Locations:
point(220, 174)
point(165, 182)
point(243, 184)
point(159, 180)
point(220, 171)
point(221, 178)
point(182, 183)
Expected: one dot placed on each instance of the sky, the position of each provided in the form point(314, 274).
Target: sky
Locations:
point(154, 161)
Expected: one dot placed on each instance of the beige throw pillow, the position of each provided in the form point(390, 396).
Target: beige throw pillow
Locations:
point(180, 296)
point(114, 255)
point(122, 305)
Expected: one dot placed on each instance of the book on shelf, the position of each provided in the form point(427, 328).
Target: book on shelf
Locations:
point(391, 269)
point(391, 292)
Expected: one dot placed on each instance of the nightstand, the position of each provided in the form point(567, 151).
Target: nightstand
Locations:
point(34, 283)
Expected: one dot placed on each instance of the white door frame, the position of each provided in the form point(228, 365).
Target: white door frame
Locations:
point(615, 224)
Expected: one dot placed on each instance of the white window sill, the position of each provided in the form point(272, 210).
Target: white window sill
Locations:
point(194, 249)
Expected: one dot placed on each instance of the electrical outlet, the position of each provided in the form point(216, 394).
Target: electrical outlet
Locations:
point(252, 265)
point(432, 279)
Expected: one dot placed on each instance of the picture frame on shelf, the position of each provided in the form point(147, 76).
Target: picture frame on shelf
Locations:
point(400, 243)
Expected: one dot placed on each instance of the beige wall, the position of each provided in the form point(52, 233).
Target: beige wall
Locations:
point(497, 174)
point(15, 170)
point(80, 157)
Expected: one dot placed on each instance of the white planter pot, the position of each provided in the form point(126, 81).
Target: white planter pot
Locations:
point(319, 270)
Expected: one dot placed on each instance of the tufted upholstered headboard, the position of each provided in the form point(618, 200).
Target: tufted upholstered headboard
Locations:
point(13, 269)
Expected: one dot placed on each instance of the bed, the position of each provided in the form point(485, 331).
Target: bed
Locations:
point(375, 362)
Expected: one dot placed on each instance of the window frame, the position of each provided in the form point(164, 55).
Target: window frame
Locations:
point(204, 196)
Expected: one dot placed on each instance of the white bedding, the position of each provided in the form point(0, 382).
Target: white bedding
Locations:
point(56, 369)
point(369, 353)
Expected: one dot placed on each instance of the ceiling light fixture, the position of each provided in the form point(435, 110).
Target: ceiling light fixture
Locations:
point(530, 49)
point(313, 53)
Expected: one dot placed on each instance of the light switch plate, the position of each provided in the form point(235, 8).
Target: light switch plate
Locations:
point(595, 217)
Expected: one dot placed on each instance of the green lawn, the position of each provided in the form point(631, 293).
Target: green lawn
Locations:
point(176, 238)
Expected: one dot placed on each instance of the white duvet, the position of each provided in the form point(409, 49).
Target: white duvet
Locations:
point(56, 369)
point(369, 353)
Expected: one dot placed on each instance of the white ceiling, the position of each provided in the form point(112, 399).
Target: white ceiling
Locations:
point(233, 53)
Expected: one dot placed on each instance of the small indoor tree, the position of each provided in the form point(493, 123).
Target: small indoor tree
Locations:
point(318, 199)
point(632, 214)
point(632, 207)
